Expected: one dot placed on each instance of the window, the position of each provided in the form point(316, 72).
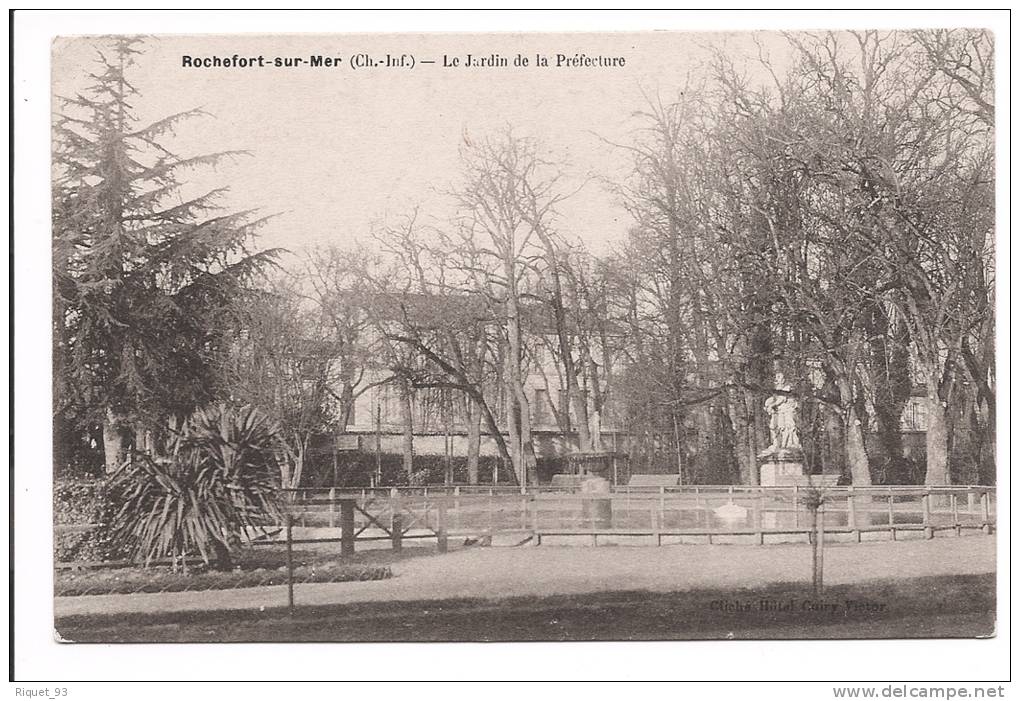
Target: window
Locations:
point(920, 415)
point(567, 407)
point(564, 403)
point(915, 415)
point(540, 413)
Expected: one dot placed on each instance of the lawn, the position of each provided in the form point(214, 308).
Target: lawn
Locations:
point(937, 606)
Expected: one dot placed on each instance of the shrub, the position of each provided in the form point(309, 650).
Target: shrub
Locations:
point(355, 470)
point(217, 486)
point(78, 505)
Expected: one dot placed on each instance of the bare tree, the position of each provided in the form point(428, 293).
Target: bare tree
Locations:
point(506, 201)
point(918, 176)
point(287, 362)
point(450, 333)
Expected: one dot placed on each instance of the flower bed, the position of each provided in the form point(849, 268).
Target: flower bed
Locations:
point(133, 580)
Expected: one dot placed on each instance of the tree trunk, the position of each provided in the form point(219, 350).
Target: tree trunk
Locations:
point(581, 422)
point(514, 436)
point(596, 431)
point(525, 449)
point(575, 395)
point(143, 440)
point(299, 465)
point(529, 459)
point(937, 443)
point(299, 468)
point(114, 441)
point(406, 416)
point(346, 406)
point(753, 438)
point(738, 419)
point(223, 560)
point(474, 427)
point(856, 452)
point(833, 453)
point(285, 471)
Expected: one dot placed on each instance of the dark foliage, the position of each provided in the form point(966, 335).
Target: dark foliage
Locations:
point(142, 270)
point(216, 487)
point(81, 512)
point(356, 469)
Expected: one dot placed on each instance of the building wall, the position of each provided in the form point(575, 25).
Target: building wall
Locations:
point(429, 416)
point(548, 444)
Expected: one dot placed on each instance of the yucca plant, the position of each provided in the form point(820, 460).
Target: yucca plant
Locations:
point(216, 486)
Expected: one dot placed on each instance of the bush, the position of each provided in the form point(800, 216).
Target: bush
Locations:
point(78, 505)
point(355, 470)
point(217, 485)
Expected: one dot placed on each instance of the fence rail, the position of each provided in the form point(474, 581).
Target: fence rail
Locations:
point(504, 490)
point(703, 511)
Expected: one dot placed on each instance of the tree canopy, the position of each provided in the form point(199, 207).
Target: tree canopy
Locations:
point(142, 268)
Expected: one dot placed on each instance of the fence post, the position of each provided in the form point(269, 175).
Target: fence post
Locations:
point(956, 512)
point(290, 566)
point(396, 521)
point(536, 524)
point(986, 514)
point(332, 507)
point(797, 507)
point(759, 518)
point(492, 516)
point(441, 540)
point(346, 527)
point(970, 501)
point(851, 514)
point(929, 533)
point(820, 549)
point(656, 530)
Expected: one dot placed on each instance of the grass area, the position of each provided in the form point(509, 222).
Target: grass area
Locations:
point(944, 606)
point(262, 566)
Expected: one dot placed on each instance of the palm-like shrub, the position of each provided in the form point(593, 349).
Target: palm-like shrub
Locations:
point(216, 486)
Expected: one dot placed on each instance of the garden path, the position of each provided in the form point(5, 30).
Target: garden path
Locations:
point(499, 572)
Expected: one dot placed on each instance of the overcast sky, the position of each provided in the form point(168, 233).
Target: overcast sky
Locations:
point(335, 150)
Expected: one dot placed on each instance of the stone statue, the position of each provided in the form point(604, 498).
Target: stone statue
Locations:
point(782, 410)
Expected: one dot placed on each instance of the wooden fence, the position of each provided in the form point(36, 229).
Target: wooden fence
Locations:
point(705, 513)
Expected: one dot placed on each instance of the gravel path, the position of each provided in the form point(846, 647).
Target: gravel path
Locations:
point(496, 572)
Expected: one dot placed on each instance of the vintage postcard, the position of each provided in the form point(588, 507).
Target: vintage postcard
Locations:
point(524, 336)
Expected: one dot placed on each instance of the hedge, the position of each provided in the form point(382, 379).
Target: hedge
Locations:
point(81, 503)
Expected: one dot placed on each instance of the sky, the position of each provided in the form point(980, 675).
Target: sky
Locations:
point(336, 151)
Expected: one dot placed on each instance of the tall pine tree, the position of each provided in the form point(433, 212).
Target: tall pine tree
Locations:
point(142, 272)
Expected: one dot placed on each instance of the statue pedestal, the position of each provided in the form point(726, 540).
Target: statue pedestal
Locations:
point(782, 467)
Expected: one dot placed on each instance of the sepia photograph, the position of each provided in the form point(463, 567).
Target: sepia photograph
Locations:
point(532, 337)
point(522, 337)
